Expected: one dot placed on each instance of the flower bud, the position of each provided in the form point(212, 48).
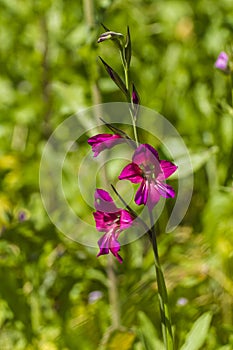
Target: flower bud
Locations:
point(135, 96)
point(110, 36)
point(135, 101)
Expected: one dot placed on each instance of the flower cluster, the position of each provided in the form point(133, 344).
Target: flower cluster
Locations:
point(145, 169)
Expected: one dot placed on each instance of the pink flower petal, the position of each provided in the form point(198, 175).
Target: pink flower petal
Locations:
point(145, 154)
point(126, 220)
point(142, 193)
point(131, 172)
point(167, 168)
point(106, 221)
point(114, 248)
point(104, 202)
point(103, 244)
point(153, 196)
point(99, 220)
point(102, 141)
point(165, 190)
point(108, 242)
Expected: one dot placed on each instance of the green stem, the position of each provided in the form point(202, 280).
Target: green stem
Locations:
point(134, 128)
point(127, 78)
point(162, 293)
point(126, 70)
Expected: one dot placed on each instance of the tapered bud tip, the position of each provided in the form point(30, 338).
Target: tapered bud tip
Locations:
point(135, 96)
point(110, 36)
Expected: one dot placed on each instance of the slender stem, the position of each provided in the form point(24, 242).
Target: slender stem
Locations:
point(126, 70)
point(134, 128)
point(127, 77)
point(162, 293)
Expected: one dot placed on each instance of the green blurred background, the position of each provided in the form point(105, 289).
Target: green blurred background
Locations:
point(54, 293)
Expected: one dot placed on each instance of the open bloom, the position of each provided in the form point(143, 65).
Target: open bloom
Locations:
point(146, 168)
point(222, 62)
point(110, 220)
point(102, 141)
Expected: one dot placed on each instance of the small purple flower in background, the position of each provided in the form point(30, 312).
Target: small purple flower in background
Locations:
point(182, 301)
point(102, 141)
point(22, 216)
point(222, 62)
point(94, 296)
point(151, 172)
point(112, 221)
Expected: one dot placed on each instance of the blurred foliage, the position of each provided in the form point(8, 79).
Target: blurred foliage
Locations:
point(54, 293)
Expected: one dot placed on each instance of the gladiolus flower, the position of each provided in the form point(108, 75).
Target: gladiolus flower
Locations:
point(222, 62)
point(146, 168)
point(102, 141)
point(112, 221)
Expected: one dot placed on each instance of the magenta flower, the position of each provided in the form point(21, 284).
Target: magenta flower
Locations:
point(146, 168)
point(222, 62)
point(102, 141)
point(112, 221)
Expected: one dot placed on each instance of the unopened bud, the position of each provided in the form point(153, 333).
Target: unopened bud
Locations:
point(110, 36)
point(135, 101)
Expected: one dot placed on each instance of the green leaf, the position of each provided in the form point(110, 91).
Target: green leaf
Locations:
point(112, 339)
point(148, 334)
point(115, 77)
point(198, 333)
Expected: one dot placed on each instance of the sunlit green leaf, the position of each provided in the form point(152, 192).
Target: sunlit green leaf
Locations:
point(199, 332)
